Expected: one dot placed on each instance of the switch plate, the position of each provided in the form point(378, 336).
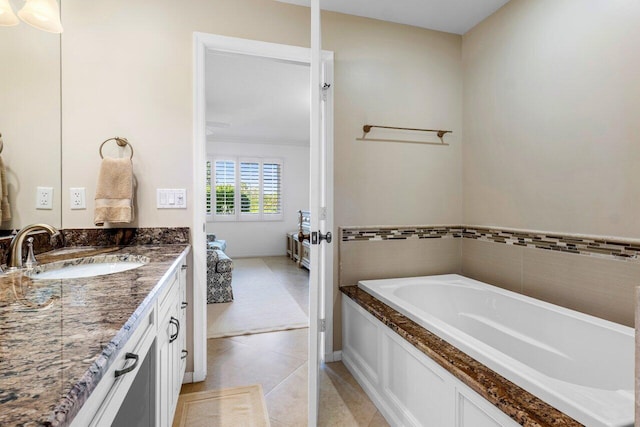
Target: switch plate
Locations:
point(77, 198)
point(171, 198)
point(44, 198)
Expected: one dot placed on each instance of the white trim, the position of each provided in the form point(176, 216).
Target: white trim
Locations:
point(202, 43)
point(199, 225)
point(187, 378)
point(335, 356)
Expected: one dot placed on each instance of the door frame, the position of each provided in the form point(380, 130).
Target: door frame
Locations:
point(201, 43)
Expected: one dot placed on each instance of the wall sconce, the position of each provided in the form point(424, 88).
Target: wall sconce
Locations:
point(41, 14)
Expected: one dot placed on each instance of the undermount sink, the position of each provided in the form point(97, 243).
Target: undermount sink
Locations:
point(87, 267)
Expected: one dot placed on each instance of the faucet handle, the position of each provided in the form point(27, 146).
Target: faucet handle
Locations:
point(31, 258)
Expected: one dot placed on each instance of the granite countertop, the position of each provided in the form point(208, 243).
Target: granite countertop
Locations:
point(523, 407)
point(57, 337)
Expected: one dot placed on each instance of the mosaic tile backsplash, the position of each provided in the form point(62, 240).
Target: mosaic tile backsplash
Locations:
point(576, 244)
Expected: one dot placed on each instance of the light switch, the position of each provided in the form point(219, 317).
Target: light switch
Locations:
point(171, 198)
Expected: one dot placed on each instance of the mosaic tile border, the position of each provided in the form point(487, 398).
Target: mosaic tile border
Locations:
point(568, 243)
point(401, 233)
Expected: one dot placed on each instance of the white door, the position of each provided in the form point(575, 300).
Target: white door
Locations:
point(321, 207)
point(320, 197)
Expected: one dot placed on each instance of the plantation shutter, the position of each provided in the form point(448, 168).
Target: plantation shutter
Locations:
point(208, 188)
point(225, 187)
point(250, 188)
point(272, 190)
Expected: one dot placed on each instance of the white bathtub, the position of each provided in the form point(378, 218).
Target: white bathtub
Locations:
point(581, 365)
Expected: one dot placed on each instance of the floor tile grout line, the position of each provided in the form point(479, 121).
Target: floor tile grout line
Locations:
point(285, 379)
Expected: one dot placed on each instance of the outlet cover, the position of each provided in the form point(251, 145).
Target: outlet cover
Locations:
point(44, 198)
point(77, 199)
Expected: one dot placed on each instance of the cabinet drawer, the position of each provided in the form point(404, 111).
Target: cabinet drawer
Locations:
point(105, 400)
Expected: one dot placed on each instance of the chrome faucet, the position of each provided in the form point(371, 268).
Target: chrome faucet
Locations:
point(15, 248)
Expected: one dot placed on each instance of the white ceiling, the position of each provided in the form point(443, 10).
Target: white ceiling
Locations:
point(451, 16)
point(256, 100)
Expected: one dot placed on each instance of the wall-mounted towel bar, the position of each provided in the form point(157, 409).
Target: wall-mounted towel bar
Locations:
point(122, 142)
point(367, 129)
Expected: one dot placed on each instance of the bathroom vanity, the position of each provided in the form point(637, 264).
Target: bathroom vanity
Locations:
point(95, 351)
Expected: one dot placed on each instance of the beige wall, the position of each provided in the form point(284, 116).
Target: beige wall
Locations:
point(600, 286)
point(395, 75)
point(388, 259)
point(551, 107)
point(127, 72)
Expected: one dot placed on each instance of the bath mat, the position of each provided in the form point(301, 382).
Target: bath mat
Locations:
point(238, 406)
point(261, 304)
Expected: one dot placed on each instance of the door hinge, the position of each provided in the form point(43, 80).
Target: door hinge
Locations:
point(323, 213)
point(325, 88)
point(322, 325)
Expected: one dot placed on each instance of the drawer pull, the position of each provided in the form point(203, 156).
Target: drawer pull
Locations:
point(184, 266)
point(130, 368)
point(184, 304)
point(176, 323)
point(185, 353)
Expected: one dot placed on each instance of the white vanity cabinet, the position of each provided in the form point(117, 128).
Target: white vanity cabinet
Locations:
point(108, 397)
point(141, 387)
point(171, 344)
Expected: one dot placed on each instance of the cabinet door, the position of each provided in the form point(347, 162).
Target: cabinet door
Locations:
point(171, 343)
point(168, 331)
point(182, 354)
point(164, 377)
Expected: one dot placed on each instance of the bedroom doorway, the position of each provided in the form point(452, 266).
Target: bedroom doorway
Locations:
point(229, 47)
point(257, 131)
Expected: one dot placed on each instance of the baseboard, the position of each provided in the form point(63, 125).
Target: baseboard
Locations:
point(336, 356)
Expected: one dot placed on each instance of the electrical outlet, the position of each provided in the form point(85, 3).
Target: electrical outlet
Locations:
point(77, 199)
point(44, 198)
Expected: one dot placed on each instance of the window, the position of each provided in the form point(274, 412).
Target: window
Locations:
point(255, 185)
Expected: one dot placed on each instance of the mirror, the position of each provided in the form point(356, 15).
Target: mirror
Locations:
point(30, 123)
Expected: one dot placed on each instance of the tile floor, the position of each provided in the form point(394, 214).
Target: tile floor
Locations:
point(278, 361)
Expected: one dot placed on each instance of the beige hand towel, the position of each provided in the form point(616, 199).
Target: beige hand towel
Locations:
point(114, 192)
point(4, 201)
